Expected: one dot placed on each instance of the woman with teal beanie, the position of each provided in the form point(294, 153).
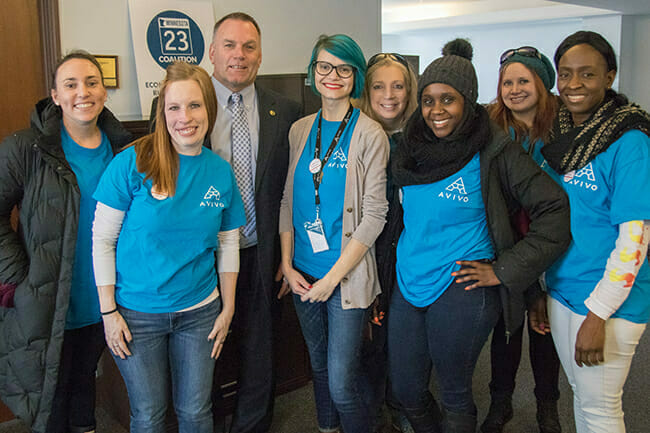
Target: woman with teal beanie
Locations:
point(524, 108)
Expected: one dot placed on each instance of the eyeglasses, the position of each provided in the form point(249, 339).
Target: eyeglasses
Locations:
point(394, 56)
point(324, 69)
point(522, 51)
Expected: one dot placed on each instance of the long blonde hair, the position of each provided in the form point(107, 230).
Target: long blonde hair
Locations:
point(410, 82)
point(155, 153)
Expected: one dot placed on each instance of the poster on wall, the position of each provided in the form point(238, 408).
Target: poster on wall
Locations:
point(166, 31)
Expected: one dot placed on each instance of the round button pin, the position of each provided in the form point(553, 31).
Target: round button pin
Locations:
point(315, 165)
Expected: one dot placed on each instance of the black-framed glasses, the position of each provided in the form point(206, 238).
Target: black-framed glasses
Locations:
point(325, 68)
point(522, 51)
point(394, 56)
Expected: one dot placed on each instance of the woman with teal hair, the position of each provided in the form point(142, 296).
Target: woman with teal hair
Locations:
point(333, 209)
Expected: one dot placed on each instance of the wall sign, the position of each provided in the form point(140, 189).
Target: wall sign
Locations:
point(166, 31)
point(174, 36)
point(110, 70)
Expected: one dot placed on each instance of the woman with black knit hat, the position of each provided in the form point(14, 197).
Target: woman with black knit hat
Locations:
point(458, 260)
point(599, 302)
point(524, 108)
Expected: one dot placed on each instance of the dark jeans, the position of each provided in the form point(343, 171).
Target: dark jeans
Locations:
point(375, 386)
point(73, 406)
point(505, 358)
point(333, 338)
point(255, 313)
point(374, 369)
point(447, 334)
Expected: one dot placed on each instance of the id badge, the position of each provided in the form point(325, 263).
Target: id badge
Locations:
point(316, 235)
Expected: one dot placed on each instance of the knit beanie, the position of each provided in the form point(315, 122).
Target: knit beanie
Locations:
point(455, 69)
point(541, 65)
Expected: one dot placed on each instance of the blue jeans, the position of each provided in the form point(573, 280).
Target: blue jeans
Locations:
point(170, 346)
point(447, 334)
point(333, 338)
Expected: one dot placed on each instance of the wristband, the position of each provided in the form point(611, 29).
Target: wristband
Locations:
point(106, 313)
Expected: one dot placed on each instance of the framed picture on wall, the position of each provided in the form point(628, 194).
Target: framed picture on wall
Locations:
point(110, 70)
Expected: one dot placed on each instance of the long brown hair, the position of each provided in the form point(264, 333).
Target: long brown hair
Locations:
point(155, 153)
point(410, 82)
point(547, 106)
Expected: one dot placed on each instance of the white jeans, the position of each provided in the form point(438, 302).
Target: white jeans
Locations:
point(597, 390)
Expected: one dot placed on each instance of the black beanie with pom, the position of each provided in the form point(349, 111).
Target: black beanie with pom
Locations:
point(455, 69)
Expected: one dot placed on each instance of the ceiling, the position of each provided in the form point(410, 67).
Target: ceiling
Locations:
point(408, 15)
point(627, 7)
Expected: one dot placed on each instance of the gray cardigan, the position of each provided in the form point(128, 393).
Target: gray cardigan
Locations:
point(365, 205)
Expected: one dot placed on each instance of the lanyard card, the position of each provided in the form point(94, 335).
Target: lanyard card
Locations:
point(316, 235)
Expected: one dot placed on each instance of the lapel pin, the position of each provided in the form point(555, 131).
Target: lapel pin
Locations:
point(272, 112)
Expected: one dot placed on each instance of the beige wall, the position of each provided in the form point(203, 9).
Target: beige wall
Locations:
point(289, 30)
point(635, 59)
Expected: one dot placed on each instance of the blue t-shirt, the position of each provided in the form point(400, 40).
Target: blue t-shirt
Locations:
point(444, 222)
point(331, 191)
point(612, 189)
point(88, 166)
point(165, 251)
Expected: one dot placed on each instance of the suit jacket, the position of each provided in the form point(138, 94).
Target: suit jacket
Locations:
point(277, 113)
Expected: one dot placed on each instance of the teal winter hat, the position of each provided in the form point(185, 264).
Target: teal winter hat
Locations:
point(533, 59)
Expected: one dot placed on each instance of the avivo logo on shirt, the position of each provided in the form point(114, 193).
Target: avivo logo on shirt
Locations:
point(212, 198)
point(583, 178)
point(455, 191)
point(338, 160)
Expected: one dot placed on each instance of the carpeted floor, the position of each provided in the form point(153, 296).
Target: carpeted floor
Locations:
point(295, 412)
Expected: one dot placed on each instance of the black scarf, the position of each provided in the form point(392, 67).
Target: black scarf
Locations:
point(422, 158)
point(572, 147)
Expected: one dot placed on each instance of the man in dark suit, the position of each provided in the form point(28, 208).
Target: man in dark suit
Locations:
point(251, 131)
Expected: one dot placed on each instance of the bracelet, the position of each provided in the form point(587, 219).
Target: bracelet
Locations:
point(106, 313)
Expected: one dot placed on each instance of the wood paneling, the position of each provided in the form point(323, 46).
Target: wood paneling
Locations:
point(21, 73)
point(50, 38)
point(293, 86)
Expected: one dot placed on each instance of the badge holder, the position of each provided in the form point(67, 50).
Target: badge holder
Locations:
point(316, 234)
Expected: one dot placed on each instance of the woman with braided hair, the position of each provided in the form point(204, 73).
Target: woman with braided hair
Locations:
point(599, 303)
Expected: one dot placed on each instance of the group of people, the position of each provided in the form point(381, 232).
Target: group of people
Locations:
point(408, 221)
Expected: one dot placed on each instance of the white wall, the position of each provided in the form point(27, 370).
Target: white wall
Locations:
point(289, 31)
point(635, 59)
point(489, 41)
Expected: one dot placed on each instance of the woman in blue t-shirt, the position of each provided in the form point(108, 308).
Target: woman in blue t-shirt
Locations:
point(524, 108)
point(459, 262)
point(599, 304)
point(165, 205)
point(332, 210)
point(52, 335)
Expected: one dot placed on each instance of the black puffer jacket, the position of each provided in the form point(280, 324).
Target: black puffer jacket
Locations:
point(35, 175)
point(510, 180)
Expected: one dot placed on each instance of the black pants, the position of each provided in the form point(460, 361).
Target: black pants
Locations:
point(73, 406)
point(506, 357)
point(255, 312)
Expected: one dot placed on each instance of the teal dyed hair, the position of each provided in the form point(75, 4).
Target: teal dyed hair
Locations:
point(343, 47)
